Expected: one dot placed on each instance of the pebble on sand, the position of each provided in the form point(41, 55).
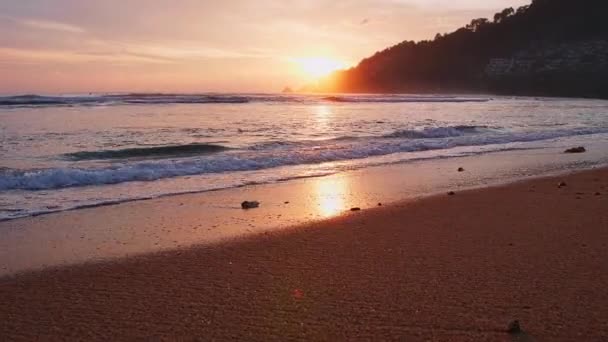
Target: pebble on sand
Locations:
point(460, 169)
point(250, 204)
point(451, 193)
point(561, 184)
point(355, 209)
point(514, 327)
point(579, 149)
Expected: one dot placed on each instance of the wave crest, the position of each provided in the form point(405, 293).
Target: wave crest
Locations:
point(436, 132)
point(249, 160)
point(402, 99)
point(33, 100)
point(143, 152)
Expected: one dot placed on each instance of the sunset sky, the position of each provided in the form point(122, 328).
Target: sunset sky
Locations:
point(59, 46)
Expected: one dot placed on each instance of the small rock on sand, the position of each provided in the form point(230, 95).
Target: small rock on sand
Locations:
point(460, 169)
point(579, 149)
point(451, 193)
point(514, 327)
point(597, 194)
point(250, 204)
point(379, 204)
point(355, 209)
point(561, 184)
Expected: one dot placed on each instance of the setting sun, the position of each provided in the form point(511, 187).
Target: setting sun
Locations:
point(316, 67)
point(304, 170)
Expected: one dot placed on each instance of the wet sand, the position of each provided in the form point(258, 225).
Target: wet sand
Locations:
point(455, 267)
point(150, 226)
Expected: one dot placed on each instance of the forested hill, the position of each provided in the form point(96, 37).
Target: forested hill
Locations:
point(550, 47)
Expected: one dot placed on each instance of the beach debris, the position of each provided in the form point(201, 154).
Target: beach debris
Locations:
point(561, 184)
point(250, 204)
point(297, 294)
point(451, 193)
point(514, 327)
point(579, 149)
point(355, 209)
point(461, 169)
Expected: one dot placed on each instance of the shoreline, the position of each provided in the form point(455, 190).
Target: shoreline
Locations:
point(441, 267)
point(174, 222)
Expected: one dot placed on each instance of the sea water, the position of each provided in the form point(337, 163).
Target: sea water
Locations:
point(65, 152)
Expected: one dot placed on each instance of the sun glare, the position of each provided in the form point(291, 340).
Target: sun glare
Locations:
point(317, 67)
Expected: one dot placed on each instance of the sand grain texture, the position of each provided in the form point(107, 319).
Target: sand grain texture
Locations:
point(444, 268)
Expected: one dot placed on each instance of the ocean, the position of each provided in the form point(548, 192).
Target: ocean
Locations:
point(65, 152)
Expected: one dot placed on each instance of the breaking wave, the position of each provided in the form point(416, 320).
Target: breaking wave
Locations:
point(151, 152)
point(436, 132)
point(263, 158)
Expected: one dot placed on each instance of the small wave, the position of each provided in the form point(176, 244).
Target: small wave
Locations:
point(102, 100)
point(152, 99)
point(402, 99)
point(248, 160)
point(175, 99)
point(35, 100)
point(425, 133)
point(436, 132)
point(142, 152)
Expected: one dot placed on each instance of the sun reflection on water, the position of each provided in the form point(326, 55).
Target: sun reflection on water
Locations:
point(322, 116)
point(330, 195)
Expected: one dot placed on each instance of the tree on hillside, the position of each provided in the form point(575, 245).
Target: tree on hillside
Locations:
point(458, 60)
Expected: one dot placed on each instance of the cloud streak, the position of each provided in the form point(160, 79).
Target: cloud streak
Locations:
point(51, 25)
point(238, 45)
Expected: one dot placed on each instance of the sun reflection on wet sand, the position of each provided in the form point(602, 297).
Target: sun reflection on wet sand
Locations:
point(330, 194)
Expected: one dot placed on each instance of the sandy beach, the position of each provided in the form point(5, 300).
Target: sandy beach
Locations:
point(304, 170)
point(455, 267)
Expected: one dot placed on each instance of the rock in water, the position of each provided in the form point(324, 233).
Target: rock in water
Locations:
point(460, 169)
point(514, 327)
point(250, 204)
point(579, 149)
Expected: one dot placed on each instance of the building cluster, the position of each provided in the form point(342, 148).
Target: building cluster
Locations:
point(550, 58)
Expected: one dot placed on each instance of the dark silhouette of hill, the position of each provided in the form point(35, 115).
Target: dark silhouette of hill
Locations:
point(550, 47)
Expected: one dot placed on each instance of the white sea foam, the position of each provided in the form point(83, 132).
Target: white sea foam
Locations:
point(122, 147)
point(257, 159)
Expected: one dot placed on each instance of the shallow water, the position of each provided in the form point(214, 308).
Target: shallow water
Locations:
point(58, 153)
